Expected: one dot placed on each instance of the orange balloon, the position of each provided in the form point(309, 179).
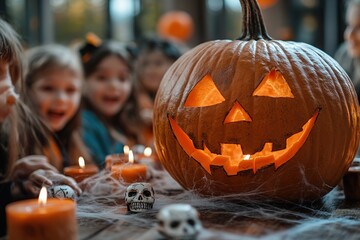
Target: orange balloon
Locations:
point(176, 24)
point(266, 3)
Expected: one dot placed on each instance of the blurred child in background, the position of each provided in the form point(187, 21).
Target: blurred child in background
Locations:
point(348, 55)
point(155, 56)
point(19, 134)
point(53, 83)
point(110, 114)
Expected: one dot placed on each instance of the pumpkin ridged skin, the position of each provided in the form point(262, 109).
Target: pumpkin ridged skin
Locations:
point(237, 68)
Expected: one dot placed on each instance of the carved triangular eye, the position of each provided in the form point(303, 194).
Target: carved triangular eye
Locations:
point(205, 93)
point(237, 114)
point(273, 85)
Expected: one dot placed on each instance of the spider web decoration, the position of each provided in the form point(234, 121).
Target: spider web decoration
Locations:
point(238, 216)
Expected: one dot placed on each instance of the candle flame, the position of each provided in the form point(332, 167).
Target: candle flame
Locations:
point(247, 157)
point(131, 156)
point(126, 149)
point(147, 151)
point(42, 196)
point(81, 162)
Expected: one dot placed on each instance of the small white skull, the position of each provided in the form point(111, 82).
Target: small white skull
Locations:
point(179, 221)
point(61, 191)
point(139, 197)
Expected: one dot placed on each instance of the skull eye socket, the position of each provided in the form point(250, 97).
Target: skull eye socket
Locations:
point(174, 224)
point(147, 193)
point(132, 193)
point(191, 222)
point(205, 93)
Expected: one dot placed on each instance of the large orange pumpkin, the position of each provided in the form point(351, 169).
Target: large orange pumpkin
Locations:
point(267, 118)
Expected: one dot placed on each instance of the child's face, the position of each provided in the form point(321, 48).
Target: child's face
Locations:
point(7, 94)
point(57, 96)
point(352, 32)
point(109, 87)
point(153, 67)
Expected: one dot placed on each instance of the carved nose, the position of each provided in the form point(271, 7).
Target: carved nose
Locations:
point(237, 114)
point(140, 198)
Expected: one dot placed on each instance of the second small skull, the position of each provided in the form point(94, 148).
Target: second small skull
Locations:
point(139, 197)
point(179, 221)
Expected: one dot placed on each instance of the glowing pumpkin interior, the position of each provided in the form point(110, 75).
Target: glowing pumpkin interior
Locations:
point(232, 158)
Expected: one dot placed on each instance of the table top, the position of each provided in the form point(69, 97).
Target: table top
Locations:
point(102, 214)
point(333, 217)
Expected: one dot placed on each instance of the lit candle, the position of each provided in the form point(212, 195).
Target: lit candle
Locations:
point(115, 159)
point(81, 171)
point(149, 158)
point(42, 218)
point(129, 172)
point(147, 152)
point(126, 149)
point(146, 158)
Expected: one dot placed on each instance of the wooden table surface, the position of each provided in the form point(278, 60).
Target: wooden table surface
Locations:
point(104, 215)
point(333, 217)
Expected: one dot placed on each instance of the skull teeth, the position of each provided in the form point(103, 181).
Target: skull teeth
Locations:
point(140, 206)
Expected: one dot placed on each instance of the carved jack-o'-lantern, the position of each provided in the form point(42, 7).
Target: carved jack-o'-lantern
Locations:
point(258, 116)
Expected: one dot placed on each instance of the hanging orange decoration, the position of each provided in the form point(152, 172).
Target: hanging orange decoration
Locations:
point(266, 3)
point(177, 25)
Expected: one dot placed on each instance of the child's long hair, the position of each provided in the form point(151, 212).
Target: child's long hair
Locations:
point(127, 119)
point(21, 133)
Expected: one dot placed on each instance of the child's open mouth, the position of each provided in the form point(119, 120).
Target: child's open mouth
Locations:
point(55, 115)
point(111, 100)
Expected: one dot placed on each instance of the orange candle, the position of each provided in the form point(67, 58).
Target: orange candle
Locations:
point(42, 219)
point(82, 171)
point(146, 156)
point(129, 172)
point(115, 159)
point(149, 158)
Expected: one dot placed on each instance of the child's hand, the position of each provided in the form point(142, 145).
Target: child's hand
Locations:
point(25, 166)
point(47, 178)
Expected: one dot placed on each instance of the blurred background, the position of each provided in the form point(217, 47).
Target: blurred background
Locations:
point(318, 22)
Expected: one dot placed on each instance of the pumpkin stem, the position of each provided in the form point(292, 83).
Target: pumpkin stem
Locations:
point(253, 23)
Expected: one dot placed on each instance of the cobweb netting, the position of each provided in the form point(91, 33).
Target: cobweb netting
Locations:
point(223, 217)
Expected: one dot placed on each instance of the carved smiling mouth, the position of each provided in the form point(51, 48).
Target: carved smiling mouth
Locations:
point(232, 158)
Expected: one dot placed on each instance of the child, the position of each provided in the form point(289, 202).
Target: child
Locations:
point(348, 55)
point(110, 113)
point(53, 85)
point(155, 57)
point(23, 178)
